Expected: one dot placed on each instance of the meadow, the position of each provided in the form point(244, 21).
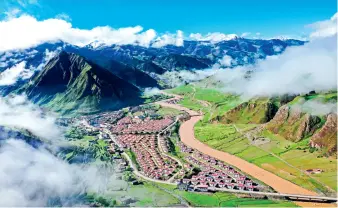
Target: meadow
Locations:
point(284, 158)
point(222, 199)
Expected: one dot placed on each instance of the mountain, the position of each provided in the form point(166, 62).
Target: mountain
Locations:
point(132, 74)
point(70, 83)
point(192, 55)
point(145, 66)
point(310, 116)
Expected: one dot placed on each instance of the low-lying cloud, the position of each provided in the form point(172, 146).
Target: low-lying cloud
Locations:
point(21, 70)
point(151, 91)
point(169, 39)
point(298, 70)
point(315, 107)
point(11, 75)
point(177, 78)
point(35, 176)
point(17, 111)
point(212, 37)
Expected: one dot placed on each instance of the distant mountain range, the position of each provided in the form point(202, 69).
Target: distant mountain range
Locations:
point(96, 77)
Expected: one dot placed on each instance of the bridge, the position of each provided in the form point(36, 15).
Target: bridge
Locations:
point(292, 197)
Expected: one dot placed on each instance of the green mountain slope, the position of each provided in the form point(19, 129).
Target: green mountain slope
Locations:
point(256, 111)
point(69, 83)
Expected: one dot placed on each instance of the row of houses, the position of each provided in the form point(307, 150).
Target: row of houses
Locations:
point(129, 125)
point(151, 162)
point(214, 173)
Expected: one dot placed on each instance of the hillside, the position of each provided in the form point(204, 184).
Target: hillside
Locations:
point(254, 111)
point(272, 133)
point(69, 82)
point(326, 137)
point(131, 74)
point(308, 116)
point(293, 124)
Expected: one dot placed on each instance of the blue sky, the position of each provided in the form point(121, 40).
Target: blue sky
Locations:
point(282, 17)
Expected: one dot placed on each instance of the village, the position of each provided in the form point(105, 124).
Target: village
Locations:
point(143, 135)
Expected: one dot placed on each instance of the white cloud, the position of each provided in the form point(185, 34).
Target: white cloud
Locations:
point(277, 48)
point(20, 70)
point(212, 37)
point(177, 78)
point(48, 56)
point(18, 112)
point(51, 30)
point(316, 107)
point(226, 61)
point(32, 177)
point(325, 28)
point(10, 76)
point(149, 91)
point(298, 70)
point(169, 39)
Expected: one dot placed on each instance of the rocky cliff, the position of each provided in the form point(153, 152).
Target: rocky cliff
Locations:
point(326, 137)
point(293, 124)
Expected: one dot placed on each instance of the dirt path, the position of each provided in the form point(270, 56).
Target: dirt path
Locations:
point(280, 185)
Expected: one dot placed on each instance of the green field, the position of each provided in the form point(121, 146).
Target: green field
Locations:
point(168, 111)
point(80, 145)
point(219, 103)
point(222, 199)
point(284, 158)
point(287, 159)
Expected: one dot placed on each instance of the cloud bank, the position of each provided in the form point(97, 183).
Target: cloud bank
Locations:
point(21, 70)
point(11, 75)
point(17, 111)
point(298, 70)
point(51, 30)
point(177, 78)
point(213, 37)
point(316, 107)
point(34, 176)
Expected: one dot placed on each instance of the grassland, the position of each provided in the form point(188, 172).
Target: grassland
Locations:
point(213, 103)
point(168, 111)
point(221, 199)
point(85, 148)
point(326, 97)
point(286, 159)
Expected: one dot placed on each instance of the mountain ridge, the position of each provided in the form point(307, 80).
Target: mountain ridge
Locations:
point(69, 78)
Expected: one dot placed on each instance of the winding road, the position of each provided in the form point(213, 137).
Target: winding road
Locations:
point(279, 184)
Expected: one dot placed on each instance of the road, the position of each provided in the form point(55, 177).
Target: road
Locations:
point(279, 184)
point(162, 152)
